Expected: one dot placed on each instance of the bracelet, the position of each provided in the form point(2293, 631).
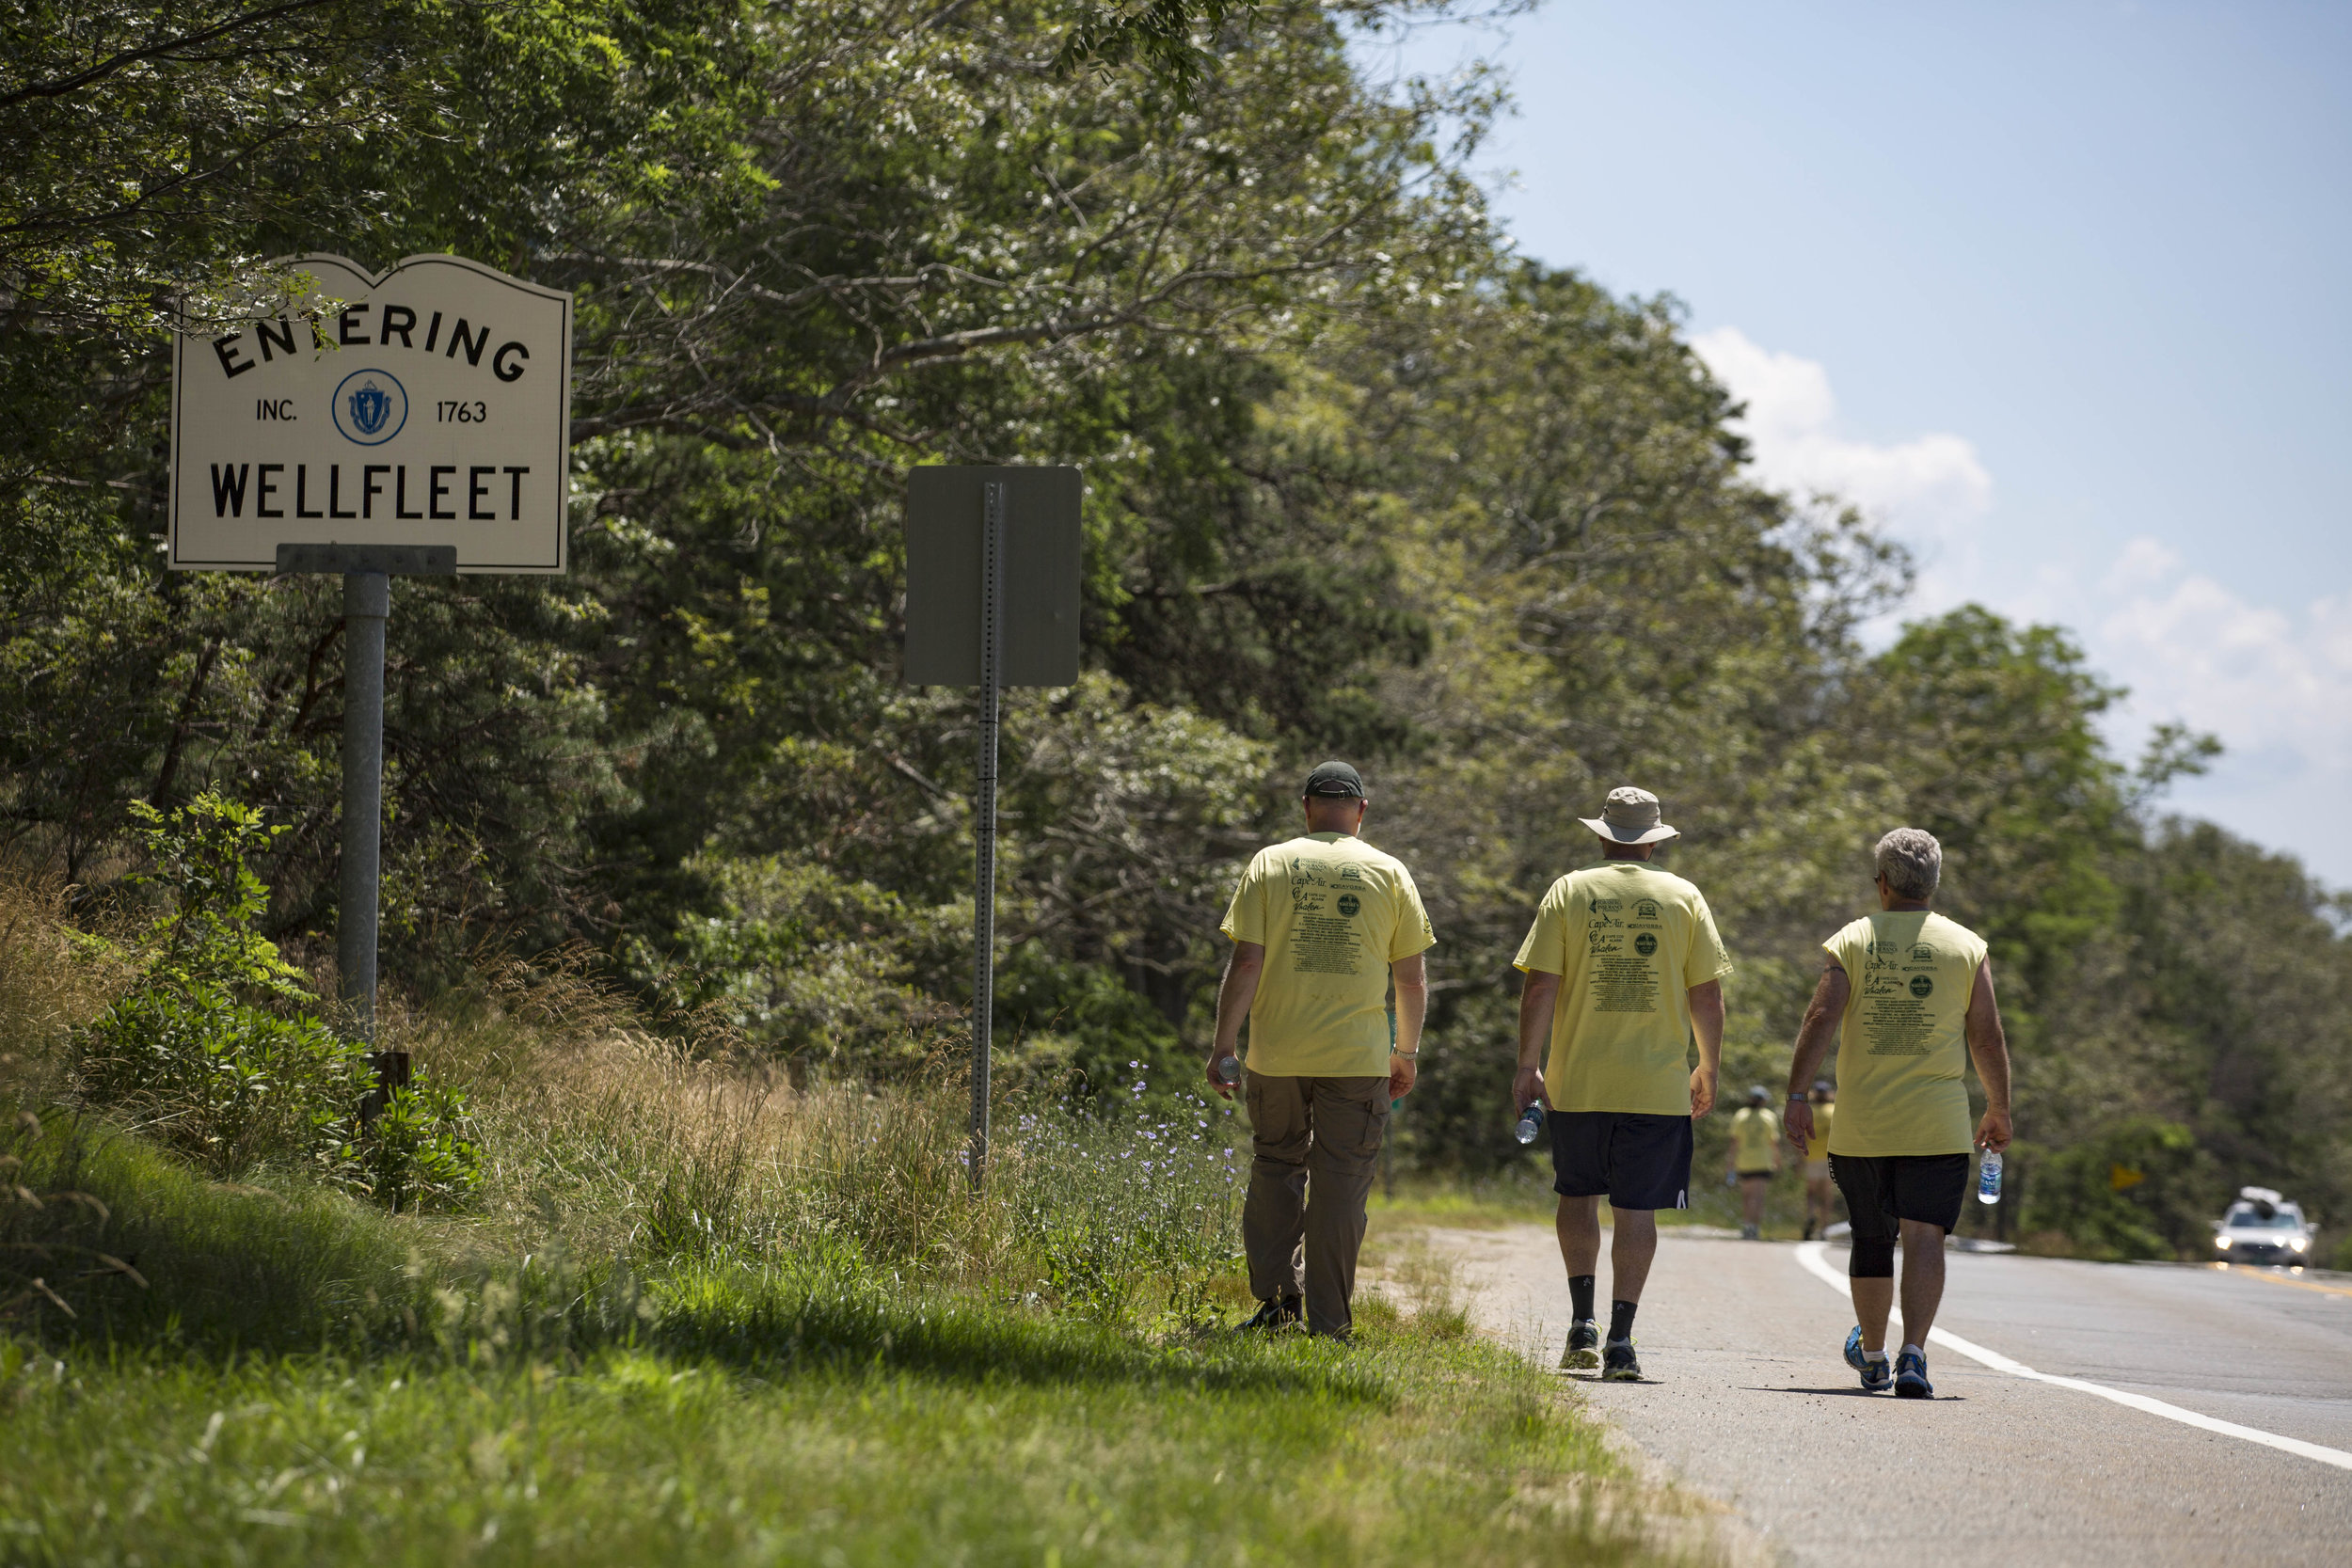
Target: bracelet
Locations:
point(1408, 1056)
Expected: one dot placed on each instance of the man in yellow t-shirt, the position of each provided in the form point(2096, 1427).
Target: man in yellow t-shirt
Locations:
point(1908, 995)
point(1754, 1156)
point(1624, 968)
point(1321, 925)
point(1820, 1193)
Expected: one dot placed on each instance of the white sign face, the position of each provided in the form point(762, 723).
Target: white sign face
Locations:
point(434, 408)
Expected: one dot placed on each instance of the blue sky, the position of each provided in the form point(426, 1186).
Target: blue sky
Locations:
point(2057, 291)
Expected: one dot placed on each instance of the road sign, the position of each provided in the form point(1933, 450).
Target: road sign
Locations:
point(944, 548)
point(992, 565)
point(422, 427)
point(432, 408)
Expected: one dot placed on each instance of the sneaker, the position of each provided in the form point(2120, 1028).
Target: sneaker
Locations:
point(1877, 1376)
point(1584, 1351)
point(1910, 1376)
point(1276, 1312)
point(1749, 1233)
point(1809, 1228)
point(1617, 1363)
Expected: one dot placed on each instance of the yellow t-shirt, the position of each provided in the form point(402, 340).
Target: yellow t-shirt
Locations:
point(1333, 913)
point(1755, 1131)
point(1628, 940)
point(1904, 1048)
point(1824, 1115)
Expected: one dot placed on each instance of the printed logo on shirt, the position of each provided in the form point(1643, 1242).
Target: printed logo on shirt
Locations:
point(1922, 987)
point(1646, 944)
point(1349, 904)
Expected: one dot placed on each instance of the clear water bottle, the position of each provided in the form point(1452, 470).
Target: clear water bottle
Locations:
point(1989, 1177)
point(1531, 1123)
point(1229, 1069)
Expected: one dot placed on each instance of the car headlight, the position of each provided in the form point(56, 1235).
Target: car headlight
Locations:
point(2301, 1243)
point(2222, 1241)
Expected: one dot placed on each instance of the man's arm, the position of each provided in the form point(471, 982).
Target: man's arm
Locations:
point(1987, 1047)
point(1814, 1035)
point(1707, 1022)
point(1538, 994)
point(1411, 977)
point(1235, 993)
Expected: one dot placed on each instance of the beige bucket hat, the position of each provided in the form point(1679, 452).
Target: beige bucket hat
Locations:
point(1631, 816)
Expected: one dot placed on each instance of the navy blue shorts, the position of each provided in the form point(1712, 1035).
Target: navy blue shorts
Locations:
point(1640, 1161)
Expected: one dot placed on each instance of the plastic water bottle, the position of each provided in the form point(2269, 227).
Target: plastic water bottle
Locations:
point(1531, 1123)
point(1229, 1069)
point(1989, 1178)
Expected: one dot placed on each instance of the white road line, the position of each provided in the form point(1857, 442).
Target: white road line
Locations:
point(1809, 1254)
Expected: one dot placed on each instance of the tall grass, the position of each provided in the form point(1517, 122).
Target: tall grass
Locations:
point(701, 1315)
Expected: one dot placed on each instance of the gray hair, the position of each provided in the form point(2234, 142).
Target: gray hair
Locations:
point(1910, 861)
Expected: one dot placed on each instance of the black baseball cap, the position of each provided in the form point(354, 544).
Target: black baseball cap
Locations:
point(1336, 779)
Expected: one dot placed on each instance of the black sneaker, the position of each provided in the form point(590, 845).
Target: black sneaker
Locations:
point(1618, 1364)
point(1277, 1312)
point(1583, 1350)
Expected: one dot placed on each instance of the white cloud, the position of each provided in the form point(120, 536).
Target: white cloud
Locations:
point(2275, 684)
point(1933, 490)
point(2201, 649)
point(2274, 681)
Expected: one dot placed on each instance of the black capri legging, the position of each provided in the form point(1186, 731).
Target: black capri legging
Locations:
point(1885, 1189)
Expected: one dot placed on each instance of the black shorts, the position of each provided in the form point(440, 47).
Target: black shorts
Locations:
point(1764, 1175)
point(1884, 1188)
point(1640, 1161)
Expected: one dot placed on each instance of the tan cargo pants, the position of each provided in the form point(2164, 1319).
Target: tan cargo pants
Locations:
point(1317, 1138)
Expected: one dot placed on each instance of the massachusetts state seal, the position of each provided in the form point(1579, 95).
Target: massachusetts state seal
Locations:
point(371, 407)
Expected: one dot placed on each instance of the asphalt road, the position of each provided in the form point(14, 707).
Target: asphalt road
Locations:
point(1750, 1403)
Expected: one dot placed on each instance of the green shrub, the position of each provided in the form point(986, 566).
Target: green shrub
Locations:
point(418, 1153)
point(2081, 1192)
point(216, 1051)
point(226, 1083)
point(211, 1053)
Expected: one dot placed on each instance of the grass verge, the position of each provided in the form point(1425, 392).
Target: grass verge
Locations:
point(1406, 1451)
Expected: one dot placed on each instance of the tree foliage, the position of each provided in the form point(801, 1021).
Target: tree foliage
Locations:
point(1359, 480)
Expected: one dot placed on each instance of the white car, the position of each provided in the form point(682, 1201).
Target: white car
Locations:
point(2262, 1227)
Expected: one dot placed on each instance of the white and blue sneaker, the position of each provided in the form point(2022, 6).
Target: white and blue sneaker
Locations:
point(1911, 1375)
point(1877, 1376)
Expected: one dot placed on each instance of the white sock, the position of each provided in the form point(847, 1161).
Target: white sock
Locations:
point(1910, 1349)
point(1873, 1355)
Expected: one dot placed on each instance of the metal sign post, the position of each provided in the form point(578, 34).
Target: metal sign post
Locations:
point(367, 603)
point(992, 509)
point(367, 574)
point(991, 605)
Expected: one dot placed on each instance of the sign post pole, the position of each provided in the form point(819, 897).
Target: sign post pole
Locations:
point(993, 530)
point(367, 602)
point(367, 605)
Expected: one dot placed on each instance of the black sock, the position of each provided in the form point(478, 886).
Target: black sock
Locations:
point(1621, 1319)
point(1581, 1296)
